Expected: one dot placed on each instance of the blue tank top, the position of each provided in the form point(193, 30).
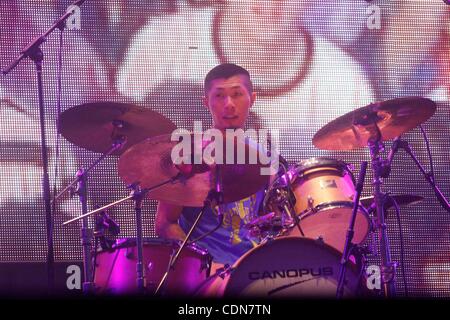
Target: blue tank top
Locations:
point(230, 241)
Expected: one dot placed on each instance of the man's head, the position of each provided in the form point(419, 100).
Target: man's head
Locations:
point(228, 95)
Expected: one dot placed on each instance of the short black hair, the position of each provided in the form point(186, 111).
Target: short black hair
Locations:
point(225, 71)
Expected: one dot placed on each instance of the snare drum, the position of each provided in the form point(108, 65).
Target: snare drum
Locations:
point(286, 266)
point(116, 270)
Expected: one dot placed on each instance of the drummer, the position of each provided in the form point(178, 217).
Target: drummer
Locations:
point(228, 96)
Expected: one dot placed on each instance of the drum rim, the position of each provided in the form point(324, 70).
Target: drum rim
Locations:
point(352, 266)
point(316, 162)
point(127, 242)
point(334, 205)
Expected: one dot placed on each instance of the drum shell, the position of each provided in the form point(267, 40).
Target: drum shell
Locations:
point(322, 186)
point(116, 270)
point(324, 190)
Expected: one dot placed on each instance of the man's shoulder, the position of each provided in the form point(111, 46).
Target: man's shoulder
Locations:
point(337, 71)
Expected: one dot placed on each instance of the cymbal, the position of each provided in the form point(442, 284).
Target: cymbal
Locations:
point(401, 199)
point(150, 163)
point(356, 128)
point(94, 126)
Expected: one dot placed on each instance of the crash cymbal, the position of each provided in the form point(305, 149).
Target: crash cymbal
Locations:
point(150, 162)
point(401, 199)
point(94, 126)
point(356, 128)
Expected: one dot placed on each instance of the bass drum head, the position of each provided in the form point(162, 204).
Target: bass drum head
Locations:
point(286, 267)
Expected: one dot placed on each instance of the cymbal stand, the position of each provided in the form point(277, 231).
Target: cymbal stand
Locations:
point(116, 145)
point(138, 195)
point(86, 234)
point(387, 266)
point(178, 177)
point(214, 198)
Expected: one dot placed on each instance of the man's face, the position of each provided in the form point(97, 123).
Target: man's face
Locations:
point(229, 102)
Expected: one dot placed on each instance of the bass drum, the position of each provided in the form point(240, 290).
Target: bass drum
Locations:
point(285, 267)
point(115, 271)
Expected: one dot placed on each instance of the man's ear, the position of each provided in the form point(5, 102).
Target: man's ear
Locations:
point(252, 98)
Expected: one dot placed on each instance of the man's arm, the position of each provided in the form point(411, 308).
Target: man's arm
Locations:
point(166, 221)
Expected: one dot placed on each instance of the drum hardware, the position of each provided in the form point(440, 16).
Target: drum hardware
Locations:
point(282, 201)
point(103, 224)
point(370, 126)
point(115, 146)
point(137, 194)
point(291, 200)
point(105, 127)
point(223, 272)
point(149, 162)
point(311, 204)
point(86, 233)
point(350, 231)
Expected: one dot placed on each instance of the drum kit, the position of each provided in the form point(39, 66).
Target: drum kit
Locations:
point(310, 233)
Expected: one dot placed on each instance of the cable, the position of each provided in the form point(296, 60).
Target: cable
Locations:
point(427, 143)
point(58, 108)
point(94, 258)
point(402, 251)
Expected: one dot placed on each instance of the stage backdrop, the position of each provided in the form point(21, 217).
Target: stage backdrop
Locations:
point(311, 62)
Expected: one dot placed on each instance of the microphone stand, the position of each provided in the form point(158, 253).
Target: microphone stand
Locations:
point(34, 52)
point(350, 231)
point(441, 198)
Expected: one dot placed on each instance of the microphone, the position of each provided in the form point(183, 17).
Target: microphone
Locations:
point(387, 167)
point(105, 221)
point(394, 149)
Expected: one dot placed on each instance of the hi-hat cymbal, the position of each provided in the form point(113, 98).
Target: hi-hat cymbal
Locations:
point(400, 199)
point(392, 117)
point(94, 126)
point(150, 163)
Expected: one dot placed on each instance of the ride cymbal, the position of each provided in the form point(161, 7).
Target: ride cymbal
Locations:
point(378, 121)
